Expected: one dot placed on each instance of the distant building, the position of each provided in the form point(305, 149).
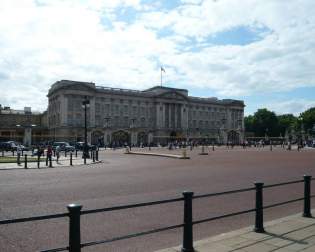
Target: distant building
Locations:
point(23, 126)
point(155, 115)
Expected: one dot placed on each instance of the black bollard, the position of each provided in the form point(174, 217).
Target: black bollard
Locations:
point(74, 228)
point(70, 158)
point(84, 159)
point(65, 153)
point(38, 161)
point(47, 160)
point(96, 155)
point(307, 196)
point(76, 153)
point(50, 162)
point(188, 226)
point(25, 161)
point(259, 218)
point(13, 153)
point(18, 159)
point(93, 156)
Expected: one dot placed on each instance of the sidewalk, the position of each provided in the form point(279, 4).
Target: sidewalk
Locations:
point(292, 233)
point(63, 161)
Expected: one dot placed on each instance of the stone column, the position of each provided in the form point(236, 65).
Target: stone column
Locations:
point(89, 136)
point(63, 110)
point(150, 138)
point(107, 137)
point(134, 136)
point(27, 140)
point(92, 112)
point(175, 115)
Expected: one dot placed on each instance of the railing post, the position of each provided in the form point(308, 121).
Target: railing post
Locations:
point(74, 228)
point(25, 161)
point(259, 218)
point(188, 226)
point(307, 196)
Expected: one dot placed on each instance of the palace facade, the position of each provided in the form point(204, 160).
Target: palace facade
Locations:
point(155, 115)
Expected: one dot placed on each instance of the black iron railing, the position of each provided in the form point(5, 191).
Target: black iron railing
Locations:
point(74, 213)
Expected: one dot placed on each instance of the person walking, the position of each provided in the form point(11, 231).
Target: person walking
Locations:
point(18, 152)
point(58, 153)
point(49, 154)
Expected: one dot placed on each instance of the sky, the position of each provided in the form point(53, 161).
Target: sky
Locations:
point(259, 51)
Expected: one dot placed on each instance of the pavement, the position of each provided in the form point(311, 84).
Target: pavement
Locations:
point(63, 161)
point(129, 179)
point(292, 233)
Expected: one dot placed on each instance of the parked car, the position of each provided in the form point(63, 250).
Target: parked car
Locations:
point(80, 146)
point(64, 146)
point(5, 146)
point(11, 146)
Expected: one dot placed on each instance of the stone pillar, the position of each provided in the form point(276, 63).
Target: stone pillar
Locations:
point(107, 137)
point(63, 110)
point(175, 115)
point(184, 117)
point(150, 138)
point(92, 112)
point(89, 136)
point(134, 136)
point(27, 140)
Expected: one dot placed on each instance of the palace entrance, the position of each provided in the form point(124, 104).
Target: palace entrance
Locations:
point(142, 138)
point(233, 137)
point(120, 138)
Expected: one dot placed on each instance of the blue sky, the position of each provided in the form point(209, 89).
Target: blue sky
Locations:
point(261, 52)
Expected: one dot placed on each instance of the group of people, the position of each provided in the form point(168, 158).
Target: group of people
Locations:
point(49, 153)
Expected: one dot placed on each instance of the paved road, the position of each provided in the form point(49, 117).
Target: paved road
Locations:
point(122, 179)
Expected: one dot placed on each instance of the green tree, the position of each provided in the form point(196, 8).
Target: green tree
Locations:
point(248, 121)
point(265, 122)
point(285, 122)
point(308, 120)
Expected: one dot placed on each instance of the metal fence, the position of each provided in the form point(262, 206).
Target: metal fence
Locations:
point(74, 213)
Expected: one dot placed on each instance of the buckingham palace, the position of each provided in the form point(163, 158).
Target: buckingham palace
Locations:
point(155, 115)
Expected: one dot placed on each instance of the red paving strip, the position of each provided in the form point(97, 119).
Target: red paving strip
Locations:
point(126, 179)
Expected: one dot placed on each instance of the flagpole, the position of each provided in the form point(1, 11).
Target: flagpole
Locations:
point(161, 76)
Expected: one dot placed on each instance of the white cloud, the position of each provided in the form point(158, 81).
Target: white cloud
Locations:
point(295, 106)
point(45, 41)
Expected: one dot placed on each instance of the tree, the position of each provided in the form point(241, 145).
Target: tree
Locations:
point(265, 122)
point(308, 119)
point(286, 122)
point(248, 121)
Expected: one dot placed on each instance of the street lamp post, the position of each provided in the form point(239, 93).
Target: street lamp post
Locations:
point(85, 105)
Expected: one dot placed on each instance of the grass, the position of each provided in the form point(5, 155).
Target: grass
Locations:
point(14, 159)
